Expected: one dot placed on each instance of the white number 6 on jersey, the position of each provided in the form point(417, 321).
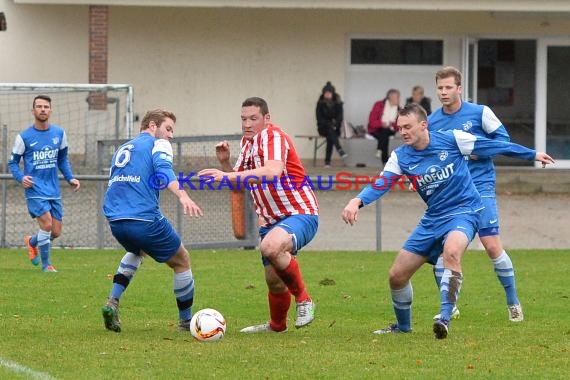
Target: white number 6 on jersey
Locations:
point(123, 155)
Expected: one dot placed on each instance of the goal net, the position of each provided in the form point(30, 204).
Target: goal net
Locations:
point(97, 119)
point(87, 112)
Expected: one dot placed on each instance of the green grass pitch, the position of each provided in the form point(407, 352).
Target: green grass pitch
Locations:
point(51, 325)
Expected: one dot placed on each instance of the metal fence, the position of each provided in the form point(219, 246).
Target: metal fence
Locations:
point(85, 226)
point(87, 112)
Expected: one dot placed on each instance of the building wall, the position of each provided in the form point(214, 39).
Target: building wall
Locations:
point(202, 63)
point(44, 43)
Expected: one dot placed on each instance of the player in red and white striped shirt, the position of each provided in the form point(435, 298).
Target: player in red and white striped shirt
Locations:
point(288, 210)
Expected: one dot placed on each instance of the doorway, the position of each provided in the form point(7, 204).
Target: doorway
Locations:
point(503, 78)
point(553, 101)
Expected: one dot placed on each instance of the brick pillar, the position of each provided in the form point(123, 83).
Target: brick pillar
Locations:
point(98, 26)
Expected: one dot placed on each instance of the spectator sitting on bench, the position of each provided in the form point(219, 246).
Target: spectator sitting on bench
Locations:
point(382, 122)
point(329, 119)
point(418, 97)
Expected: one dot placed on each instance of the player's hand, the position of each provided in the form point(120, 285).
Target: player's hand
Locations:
point(350, 212)
point(27, 181)
point(544, 158)
point(209, 175)
point(75, 183)
point(190, 207)
point(473, 157)
point(223, 151)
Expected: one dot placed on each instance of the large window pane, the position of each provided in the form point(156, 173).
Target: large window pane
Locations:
point(396, 52)
point(558, 106)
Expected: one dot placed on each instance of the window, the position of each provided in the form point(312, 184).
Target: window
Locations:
point(396, 52)
point(2, 22)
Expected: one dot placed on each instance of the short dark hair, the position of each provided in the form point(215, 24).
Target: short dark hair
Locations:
point(43, 97)
point(414, 109)
point(449, 71)
point(257, 102)
point(158, 116)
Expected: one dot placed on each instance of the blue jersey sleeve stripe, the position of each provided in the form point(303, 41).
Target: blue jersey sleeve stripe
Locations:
point(465, 141)
point(392, 165)
point(162, 146)
point(63, 141)
point(19, 146)
point(489, 121)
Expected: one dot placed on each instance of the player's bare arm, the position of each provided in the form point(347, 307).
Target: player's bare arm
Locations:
point(189, 207)
point(27, 181)
point(75, 184)
point(350, 212)
point(270, 170)
point(544, 158)
point(223, 155)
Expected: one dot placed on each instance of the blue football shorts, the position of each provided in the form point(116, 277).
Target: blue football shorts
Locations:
point(38, 207)
point(157, 238)
point(429, 236)
point(489, 220)
point(302, 228)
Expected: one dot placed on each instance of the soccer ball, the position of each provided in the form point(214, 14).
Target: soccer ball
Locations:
point(208, 325)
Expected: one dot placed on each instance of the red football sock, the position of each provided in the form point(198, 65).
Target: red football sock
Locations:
point(291, 276)
point(278, 307)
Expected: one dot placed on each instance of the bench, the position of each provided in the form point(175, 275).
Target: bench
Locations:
point(316, 146)
point(362, 151)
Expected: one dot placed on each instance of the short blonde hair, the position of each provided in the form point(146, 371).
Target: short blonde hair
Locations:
point(158, 116)
point(449, 71)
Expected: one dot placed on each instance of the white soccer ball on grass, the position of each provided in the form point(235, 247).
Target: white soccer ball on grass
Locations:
point(208, 325)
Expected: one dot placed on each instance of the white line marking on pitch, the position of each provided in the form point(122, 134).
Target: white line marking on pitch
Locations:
point(18, 368)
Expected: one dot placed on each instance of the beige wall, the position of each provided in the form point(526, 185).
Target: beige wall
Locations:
point(44, 43)
point(461, 5)
point(202, 63)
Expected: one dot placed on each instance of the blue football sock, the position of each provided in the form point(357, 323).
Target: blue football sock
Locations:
point(506, 274)
point(34, 240)
point(438, 271)
point(449, 292)
point(44, 245)
point(402, 302)
point(129, 265)
point(184, 293)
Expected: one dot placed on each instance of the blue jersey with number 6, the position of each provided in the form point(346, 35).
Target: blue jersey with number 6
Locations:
point(139, 169)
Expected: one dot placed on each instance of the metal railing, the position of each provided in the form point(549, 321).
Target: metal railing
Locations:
point(85, 225)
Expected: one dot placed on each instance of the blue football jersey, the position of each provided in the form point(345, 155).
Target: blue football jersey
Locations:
point(480, 121)
point(44, 152)
point(440, 171)
point(133, 191)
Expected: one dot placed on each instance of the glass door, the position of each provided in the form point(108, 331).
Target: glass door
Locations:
point(552, 117)
point(500, 73)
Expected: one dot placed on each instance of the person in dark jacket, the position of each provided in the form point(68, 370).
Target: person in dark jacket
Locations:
point(329, 120)
point(419, 98)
